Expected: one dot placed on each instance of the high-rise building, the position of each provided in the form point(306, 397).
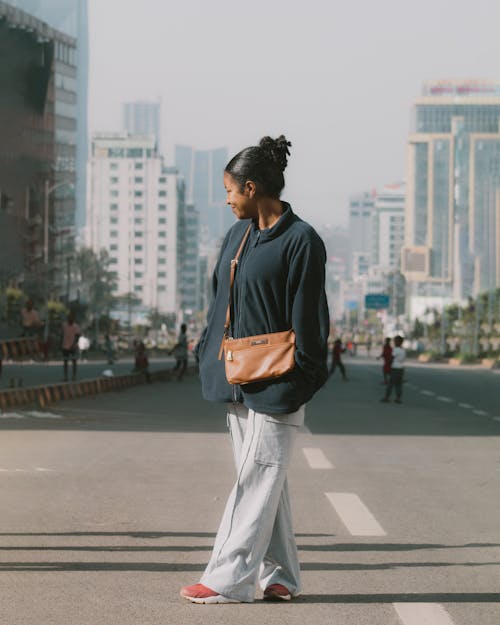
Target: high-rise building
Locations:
point(38, 150)
point(361, 230)
point(71, 18)
point(452, 247)
point(389, 227)
point(134, 207)
point(203, 171)
point(143, 118)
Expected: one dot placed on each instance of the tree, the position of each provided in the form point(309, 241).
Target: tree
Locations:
point(97, 282)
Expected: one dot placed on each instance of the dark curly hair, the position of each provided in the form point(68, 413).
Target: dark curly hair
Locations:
point(263, 164)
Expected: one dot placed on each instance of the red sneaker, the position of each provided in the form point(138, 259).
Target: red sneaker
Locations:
point(198, 593)
point(277, 592)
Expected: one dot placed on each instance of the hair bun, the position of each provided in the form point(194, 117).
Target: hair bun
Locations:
point(276, 150)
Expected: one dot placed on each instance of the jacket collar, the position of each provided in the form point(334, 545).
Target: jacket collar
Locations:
point(283, 223)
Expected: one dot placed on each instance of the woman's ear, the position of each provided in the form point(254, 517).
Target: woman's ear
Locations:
point(250, 188)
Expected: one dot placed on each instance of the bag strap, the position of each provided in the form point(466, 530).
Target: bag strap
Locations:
point(234, 263)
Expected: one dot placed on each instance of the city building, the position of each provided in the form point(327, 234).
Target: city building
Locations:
point(452, 247)
point(203, 171)
point(189, 266)
point(389, 229)
point(133, 212)
point(143, 118)
point(361, 230)
point(38, 151)
point(69, 17)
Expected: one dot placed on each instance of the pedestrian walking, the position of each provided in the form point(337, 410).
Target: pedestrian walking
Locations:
point(70, 336)
point(180, 351)
point(337, 351)
point(141, 361)
point(397, 371)
point(276, 286)
point(386, 355)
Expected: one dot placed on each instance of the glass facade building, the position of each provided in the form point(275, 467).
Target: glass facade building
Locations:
point(71, 18)
point(452, 208)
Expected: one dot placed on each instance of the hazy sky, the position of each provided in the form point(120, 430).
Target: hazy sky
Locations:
point(337, 78)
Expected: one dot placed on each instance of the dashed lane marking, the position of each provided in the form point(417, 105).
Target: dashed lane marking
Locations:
point(355, 515)
point(316, 458)
point(446, 399)
point(11, 415)
point(481, 413)
point(37, 414)
point(422, 614)
point(428, 393)
point(465, 405)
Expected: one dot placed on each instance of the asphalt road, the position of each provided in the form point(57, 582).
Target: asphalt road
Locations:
point(109, 505)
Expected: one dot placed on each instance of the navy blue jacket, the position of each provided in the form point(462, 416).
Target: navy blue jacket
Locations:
point(279, 284)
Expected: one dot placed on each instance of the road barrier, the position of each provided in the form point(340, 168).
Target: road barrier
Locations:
point(47, 394)
point(14, 349)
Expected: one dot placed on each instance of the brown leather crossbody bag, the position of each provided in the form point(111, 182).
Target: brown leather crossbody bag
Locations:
point(259, 357)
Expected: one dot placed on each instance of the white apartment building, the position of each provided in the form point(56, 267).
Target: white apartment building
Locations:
point(389, 226)
point(133, 212)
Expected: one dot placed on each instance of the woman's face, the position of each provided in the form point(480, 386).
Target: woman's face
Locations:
point(242, 203)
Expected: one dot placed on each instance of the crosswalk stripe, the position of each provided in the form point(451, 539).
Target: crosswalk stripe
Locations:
point(447, 399)
point(316, 458)
point(481, 413)
point(355, 515)
point(465, 405)
point(422, 614)
point(428, 393)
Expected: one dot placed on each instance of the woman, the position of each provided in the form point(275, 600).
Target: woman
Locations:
point(279, 285)
point(386, 355)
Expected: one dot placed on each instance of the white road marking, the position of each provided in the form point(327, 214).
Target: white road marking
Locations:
point(496, 418)
point(11, 415)
point(39, 469)
point(422, 614)
point(43, 415)
point(481, 413)
point(465, 406)
point(316, 458)
point(428, 393)
point(43, 469)
point(355, 515)
point(447, 399)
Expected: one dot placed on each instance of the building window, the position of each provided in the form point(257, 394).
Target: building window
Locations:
point(138, 180)
point(138, 248)
point(162, 194)
point(113, 247)
point(138, 288)
point(162, 248)
point(162, 235)
point(138, 275)
point(113, 207)
point(139, 166)
point(114, 180)
point(138, 193)
point(114, 193)
point(162, 274)
point(162, 221)
point(114, 220)
point(162, 207)
point(138, 207)
point(138, 234)
point(162, 288)
point(163, 179)
point(138, 221)
point(137, 261)
point(113, 261)
point(113, 234)
point(162, 261)
point(113, 166)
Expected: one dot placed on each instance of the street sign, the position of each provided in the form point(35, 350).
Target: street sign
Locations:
point(377, 301)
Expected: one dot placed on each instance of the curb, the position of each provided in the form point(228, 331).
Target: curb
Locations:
point(48, 394)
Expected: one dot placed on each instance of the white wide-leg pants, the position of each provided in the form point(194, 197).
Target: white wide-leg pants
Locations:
point(255, 541)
